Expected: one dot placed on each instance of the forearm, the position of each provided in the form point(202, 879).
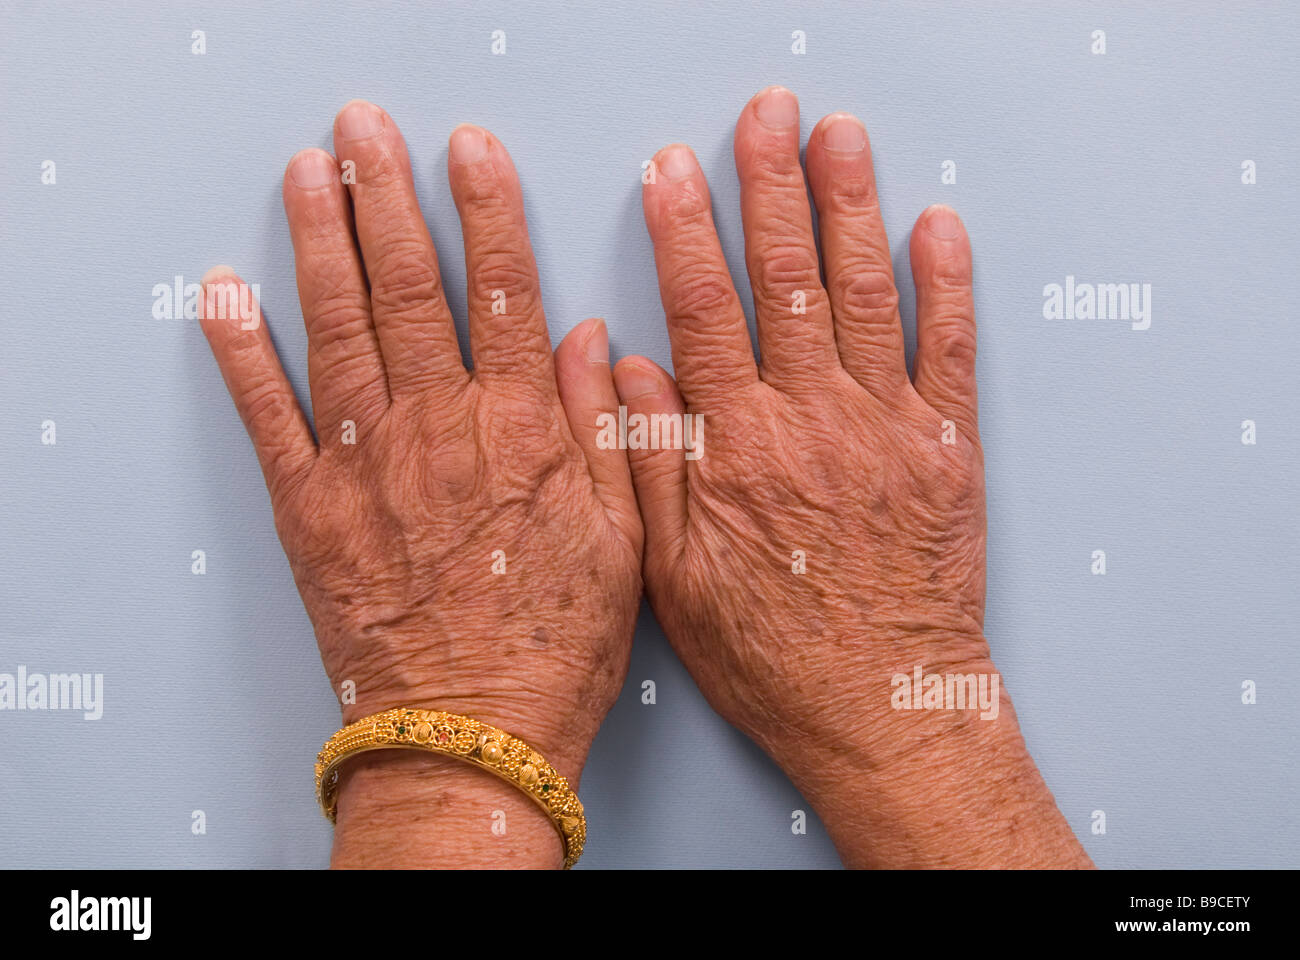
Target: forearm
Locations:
point(933, 788)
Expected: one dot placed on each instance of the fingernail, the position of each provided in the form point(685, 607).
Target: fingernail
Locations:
point(844, 133)
point(219, 272)
point(777, 107)
point(468, 144)
point(634, 382)
point(360, 120)
point(596, 346)
point(312, 168)
point(676, 163)
point(942, 221)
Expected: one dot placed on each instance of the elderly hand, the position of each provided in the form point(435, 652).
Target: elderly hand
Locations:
point(460, 541)
point(830, 537)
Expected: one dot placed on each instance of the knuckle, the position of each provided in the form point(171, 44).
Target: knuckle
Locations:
point(700, 294)
point(245, 342)
point(329, 282)
point(775, 168)
point(502, 271)
point(854, 195)
point(786, 265)
point(946, 478)
point(526, 447)
point(264, 401)
point(378, 170)
point(951, 337)
point(405, 277)
point(865, 287)
point(951, 276)
point(688, 208)
point(337, 318)
point(506, 348)
point(480, 189)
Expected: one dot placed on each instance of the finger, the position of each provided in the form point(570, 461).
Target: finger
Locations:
point(796, 339)
point(859, 269)
point(712, 355)
point(658, 475)
point(415, 328)
point(344, 364)
point(590, 401)
point(507, 327)
point(236, 331)
point(945, 316)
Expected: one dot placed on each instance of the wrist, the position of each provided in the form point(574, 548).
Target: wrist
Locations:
point(421, 810)
point(562, 734)
point(402, 809)
point(922, 784)
point(551, 692)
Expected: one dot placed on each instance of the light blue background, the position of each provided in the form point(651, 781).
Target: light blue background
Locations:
point(1117, 168)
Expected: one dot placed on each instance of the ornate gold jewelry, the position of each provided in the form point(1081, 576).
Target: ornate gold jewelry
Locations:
point(449, 733)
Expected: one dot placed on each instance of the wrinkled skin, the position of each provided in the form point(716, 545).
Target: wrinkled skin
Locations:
point(892, 527)
point(393, 537)
point(827, 447)
point(830, 536)
point(392, 548)
point(827, 451)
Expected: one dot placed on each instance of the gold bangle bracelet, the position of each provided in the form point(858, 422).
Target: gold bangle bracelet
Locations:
point(451, 734)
